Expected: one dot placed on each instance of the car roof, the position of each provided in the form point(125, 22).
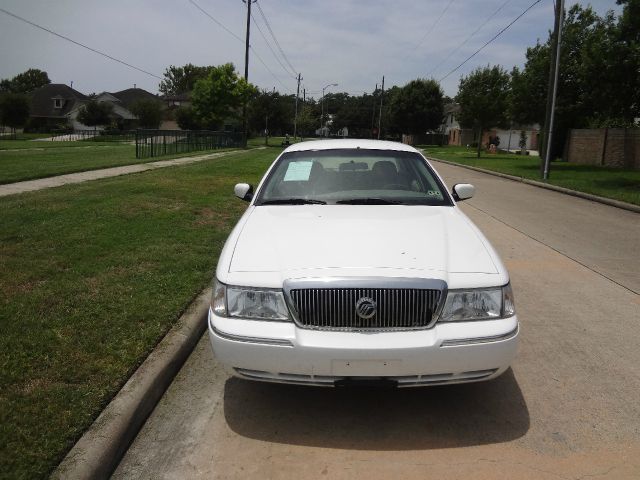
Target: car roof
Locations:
point(349, 143)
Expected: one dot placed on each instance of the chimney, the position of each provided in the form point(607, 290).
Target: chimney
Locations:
point(134, 85)
point(71, 83)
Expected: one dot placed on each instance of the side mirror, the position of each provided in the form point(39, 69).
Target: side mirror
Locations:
point(243, 191)
point(463, 191)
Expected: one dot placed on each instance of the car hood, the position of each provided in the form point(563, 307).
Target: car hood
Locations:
point(359, 237)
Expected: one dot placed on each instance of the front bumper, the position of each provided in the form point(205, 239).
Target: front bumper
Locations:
point(282, 352)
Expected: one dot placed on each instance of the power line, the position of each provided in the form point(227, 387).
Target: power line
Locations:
point(269, 45)
point(269, 70)
point(456, 49)
point(6, 12)
point(434, 24)
point(204, 12)
point(492, 39)
point(216, 21)
point(264, 17)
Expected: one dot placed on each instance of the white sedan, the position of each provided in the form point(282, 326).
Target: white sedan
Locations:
point(353, 264)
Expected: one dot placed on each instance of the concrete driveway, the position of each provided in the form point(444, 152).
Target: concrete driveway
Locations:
point(568, 409)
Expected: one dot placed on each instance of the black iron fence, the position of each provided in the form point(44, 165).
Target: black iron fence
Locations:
point(155, 143)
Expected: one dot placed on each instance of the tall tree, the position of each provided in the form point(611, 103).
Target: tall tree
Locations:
point(220, 95)
point(14, 110)
point(483, 96)
point(25, 82)
point(356, 113)
point(95, 113)
point(307, 120)
point(182, 79)
point(417, 107)
point(272, 110)
point(598, 82)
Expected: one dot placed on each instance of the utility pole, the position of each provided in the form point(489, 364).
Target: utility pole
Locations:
point(373, 113)
point(304, 96)
point(247, 45)
point(381, 101)
point(246, 68)
point(553, 87)
point(295, 119)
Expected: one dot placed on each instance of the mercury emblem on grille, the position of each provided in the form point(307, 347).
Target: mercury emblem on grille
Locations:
point(366, 308)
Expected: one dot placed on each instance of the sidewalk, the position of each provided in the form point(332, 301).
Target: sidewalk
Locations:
point(58, 181)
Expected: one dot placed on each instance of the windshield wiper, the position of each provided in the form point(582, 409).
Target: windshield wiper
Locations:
point(294, 201)
point(368, 201)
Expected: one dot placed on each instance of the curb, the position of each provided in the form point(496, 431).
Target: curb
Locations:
point(587, 196)
point(99, 451)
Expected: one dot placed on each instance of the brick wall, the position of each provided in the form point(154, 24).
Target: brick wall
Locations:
point(611, 147)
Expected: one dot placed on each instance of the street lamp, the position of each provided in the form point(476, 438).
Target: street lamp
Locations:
point(322, 104)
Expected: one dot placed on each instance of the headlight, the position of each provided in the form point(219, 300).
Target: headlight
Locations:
point(218, 299)
point(250, 303)
point(478, 304)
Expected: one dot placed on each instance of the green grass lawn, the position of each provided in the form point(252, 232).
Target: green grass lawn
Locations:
point(25, 136)
point(25, 144)
point(615, 183)
point(26, 160)
point(28, 164)
point(271, 141)
point(92, 276)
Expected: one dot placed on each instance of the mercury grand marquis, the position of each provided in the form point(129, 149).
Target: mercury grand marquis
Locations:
point(352, 264)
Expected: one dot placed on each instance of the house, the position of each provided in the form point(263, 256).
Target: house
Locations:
point(119, 114)
point(131, 95)
point(177, 100)
point(509, 138)
point(456, 135)
point(58, 106)
point(51, 105)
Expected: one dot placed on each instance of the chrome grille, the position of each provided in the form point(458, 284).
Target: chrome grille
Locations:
point(336, 308)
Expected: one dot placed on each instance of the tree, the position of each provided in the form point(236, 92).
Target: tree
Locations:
point(182, 79)
point(95, 113)
point(220, 95)
point(307, 120)
point(598, 82)
point(25, 82)
point(14, 110)
point(483, 96)
point(149, 112)
point(355, 112)
point(187, 119)
point(417, 107)
point(269, 107)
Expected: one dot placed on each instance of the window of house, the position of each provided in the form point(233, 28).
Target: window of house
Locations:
point(57, 103)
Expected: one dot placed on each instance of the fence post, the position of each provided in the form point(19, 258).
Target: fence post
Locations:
point(137, 154)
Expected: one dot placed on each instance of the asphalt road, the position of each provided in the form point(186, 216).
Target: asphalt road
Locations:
point(569, 408)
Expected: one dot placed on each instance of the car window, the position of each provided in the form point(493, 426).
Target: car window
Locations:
point(350, 175)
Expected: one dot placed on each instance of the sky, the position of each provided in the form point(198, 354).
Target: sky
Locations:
point(351, 43)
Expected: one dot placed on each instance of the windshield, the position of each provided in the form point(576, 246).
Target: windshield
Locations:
point(352, 176)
